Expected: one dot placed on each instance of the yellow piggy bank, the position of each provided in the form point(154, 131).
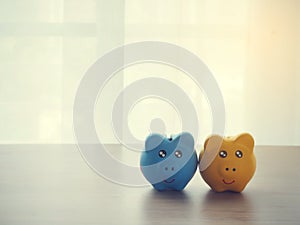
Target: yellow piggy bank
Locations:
point(228, 164)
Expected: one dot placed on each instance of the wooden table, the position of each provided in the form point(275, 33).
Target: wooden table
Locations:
point(52, 184)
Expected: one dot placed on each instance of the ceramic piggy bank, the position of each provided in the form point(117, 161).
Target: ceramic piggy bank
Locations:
point(169, 163)
point(228, 164)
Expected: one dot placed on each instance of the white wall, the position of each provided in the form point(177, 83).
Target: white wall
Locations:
point(272, 78)
point(251, 47)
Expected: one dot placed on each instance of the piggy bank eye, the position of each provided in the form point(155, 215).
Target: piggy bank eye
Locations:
point(223, 154)
point(178, 154)
point(162, 153)
point(239, 154)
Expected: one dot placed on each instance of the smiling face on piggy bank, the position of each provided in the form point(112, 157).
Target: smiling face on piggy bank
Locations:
point(228, 164)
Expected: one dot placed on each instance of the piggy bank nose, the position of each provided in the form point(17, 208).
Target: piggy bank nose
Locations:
point(168, 168)
point(229, 169)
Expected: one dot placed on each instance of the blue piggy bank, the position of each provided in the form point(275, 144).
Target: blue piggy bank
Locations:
point(169, 163)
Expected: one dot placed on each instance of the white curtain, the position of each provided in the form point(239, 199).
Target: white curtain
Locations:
point(45, 49)
point(251, 46)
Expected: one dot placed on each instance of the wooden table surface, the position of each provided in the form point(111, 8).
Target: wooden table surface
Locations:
point(52, 184)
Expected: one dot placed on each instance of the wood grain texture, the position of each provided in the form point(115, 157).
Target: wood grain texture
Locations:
point(51, 184)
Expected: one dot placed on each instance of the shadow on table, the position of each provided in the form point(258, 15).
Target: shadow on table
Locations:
point(165, 207)
point(168, 196)
point(234, 208)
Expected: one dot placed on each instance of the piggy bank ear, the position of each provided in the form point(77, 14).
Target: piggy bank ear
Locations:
point(213, 142)
point(246, 140)
point(153, 141)
point(185, 139)
point(212, 146)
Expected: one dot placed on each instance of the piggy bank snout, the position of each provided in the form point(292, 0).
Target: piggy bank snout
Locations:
point(171, 165)
point(168, 167)
point(226, 169)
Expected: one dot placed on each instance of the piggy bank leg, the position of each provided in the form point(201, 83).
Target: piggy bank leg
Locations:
point(159, 187)
point(180, 187)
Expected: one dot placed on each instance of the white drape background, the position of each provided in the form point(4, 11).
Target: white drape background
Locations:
point(251, 46)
